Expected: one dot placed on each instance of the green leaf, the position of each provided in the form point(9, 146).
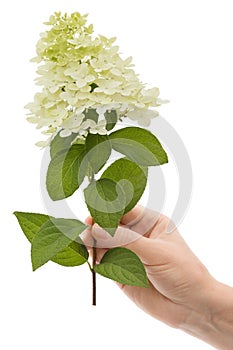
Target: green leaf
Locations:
point(74, 255)
point(105, 200)
point(98, 150)
point(124, 266)
point(65, 173)
point(59, 144)
point(53, 237)
point(139, 145)
point(131, 177)
point(30, 224)
point(111, 119)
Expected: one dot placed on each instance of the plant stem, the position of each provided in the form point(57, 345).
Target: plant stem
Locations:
point(91, 177)
point(94, 275)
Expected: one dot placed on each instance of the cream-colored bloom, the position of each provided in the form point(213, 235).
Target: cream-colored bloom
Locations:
point(98, 128)
point(77, 72)
point(142, 116)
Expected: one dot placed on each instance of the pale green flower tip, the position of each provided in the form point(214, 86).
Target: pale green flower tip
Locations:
point(41, 144)
point(32, 120)
point(77, 72)
point(35, 59)
point(162, 101)
point(27, 106)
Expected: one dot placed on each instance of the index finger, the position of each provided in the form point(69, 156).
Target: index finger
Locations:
point(141, 220)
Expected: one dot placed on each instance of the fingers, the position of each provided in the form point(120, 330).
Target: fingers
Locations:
point(144, 221)
point(141, 220)
point(89, 221)
point(138, 222)
point(133, 216)
point(88, 240)
point(142, 246)
point(122, 237)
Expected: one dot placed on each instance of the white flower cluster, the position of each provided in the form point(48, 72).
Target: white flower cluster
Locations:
point(79, 72)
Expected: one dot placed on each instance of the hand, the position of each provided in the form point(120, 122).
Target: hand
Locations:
point(182, 293)
point(178, 280)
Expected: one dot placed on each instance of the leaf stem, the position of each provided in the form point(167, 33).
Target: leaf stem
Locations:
point(94, 275)
point(89, 265)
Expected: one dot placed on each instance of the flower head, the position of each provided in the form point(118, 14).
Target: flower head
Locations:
point(80, 72)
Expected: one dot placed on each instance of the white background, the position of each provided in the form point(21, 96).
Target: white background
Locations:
point(184, 48)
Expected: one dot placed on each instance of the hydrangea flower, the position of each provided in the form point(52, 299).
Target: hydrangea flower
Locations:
point(80, 72)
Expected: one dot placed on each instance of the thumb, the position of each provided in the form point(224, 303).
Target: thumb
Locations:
point(142, 246)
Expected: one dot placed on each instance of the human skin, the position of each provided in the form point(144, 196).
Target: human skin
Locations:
point(182, 293)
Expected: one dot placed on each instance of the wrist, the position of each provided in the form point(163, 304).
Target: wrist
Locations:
point(212, 320)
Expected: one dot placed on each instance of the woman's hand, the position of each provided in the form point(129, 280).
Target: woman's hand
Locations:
point(182, 293)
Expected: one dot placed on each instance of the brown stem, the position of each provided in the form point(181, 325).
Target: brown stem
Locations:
point(94, 275)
